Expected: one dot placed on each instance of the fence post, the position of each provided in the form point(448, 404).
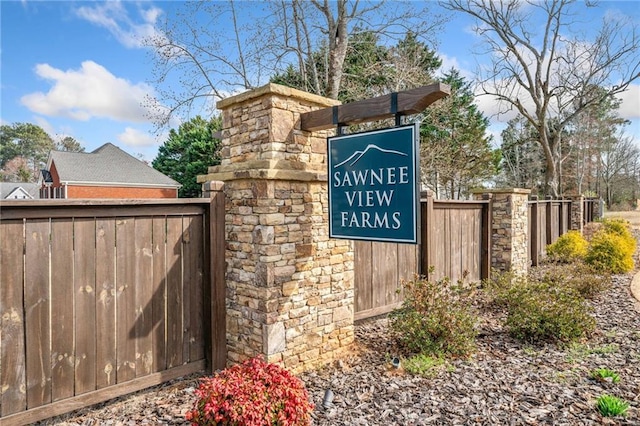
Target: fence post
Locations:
point(577, 213)
point(534, 224)
point(509, 229)
point(487, 214)
point(426, 245)
point(218, 348)
point(549, 222)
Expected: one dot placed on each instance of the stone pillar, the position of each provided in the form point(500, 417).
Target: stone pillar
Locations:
point(510, 229)
point(290, 294)
point(577, 212)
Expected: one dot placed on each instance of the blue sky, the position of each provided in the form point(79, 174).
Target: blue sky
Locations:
point(78, 68)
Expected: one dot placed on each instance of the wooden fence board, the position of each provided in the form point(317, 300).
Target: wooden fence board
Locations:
point(125, 299)
point(85, 295)
point(174, 292)
point(37, 324)
point(143, 295)
point(160, 293)
point(195, 249)
point(12, 351)
point(187, 276)
point(106, 303)
point(62, 301)
point(363, 277)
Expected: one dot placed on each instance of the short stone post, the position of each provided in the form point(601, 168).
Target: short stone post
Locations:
point(510, 229)
point(577, 212)
point(290, 294)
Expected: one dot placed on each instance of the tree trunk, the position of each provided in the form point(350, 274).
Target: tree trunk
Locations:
point(338, 42)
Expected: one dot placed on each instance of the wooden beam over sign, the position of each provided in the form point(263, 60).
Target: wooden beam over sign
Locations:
point(408, 102)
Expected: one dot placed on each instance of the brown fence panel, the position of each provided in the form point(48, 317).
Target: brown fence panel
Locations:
point(100, 299)
point(379, 269)
point(548, 220)
point(455, 242)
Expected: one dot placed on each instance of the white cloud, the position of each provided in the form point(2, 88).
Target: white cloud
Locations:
point(113, 16)
point(137, 138)
point(92, 91)
point(449, 62)
point(630, 107)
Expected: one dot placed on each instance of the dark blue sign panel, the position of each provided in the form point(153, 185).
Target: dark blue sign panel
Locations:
point(373, 185)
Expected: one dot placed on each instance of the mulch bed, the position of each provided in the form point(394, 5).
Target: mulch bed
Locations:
point(506, 382)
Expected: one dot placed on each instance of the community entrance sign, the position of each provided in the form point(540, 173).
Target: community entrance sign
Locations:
point(373, 185)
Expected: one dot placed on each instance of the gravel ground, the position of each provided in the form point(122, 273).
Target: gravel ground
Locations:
point(504, 383)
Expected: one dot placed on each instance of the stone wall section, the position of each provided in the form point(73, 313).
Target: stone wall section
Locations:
point(510, 233)
point(290, 294)
point(577, 213)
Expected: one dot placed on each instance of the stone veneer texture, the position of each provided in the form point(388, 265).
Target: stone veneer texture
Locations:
point(290, 293)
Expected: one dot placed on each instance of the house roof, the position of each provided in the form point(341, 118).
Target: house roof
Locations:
point(106, 165)
point(9, 188)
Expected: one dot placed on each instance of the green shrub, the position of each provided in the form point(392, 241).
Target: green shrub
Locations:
point(434, 318)
point(423, 365)
point(540, 311)
point(583, 278)
point(254, 393)
point(568, 247)
point(620, 227)
point(611, 406)
point(611, 252)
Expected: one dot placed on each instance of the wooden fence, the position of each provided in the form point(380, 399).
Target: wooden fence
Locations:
point(455, 243)
point(592, 209)
point(548, 219)
point(99, 299)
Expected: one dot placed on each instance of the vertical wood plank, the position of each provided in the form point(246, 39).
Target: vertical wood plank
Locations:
point(455, 236)
point(37, 324)
point(62, 305)
point(217, 269)
point(362, 275)
point(174, 292)
point(106, 303)
point(392, 280)
point(407, 267)
point(439, 259)
point(13, 398)
point(487, 231)
point(85, 294)
point(143, 295)
point(187, 282)
point(160, 294)
point(196, 266)
point(125, 299)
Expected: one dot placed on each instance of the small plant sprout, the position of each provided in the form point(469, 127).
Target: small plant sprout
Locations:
point(605, 375)
point(423, 365)
point(611, 406)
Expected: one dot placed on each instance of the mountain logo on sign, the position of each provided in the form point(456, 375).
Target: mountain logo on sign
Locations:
point(357, 155)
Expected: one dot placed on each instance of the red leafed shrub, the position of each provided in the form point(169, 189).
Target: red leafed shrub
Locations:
point(254, 393)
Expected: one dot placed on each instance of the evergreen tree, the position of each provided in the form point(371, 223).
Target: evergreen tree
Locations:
point(456, 153)
point(189, 152)
point(28, 141)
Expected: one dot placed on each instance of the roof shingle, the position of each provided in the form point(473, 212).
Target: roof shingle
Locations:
point(107, 165)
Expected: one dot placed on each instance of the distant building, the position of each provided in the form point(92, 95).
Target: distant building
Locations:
point(18, 191)
point(107, 172)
